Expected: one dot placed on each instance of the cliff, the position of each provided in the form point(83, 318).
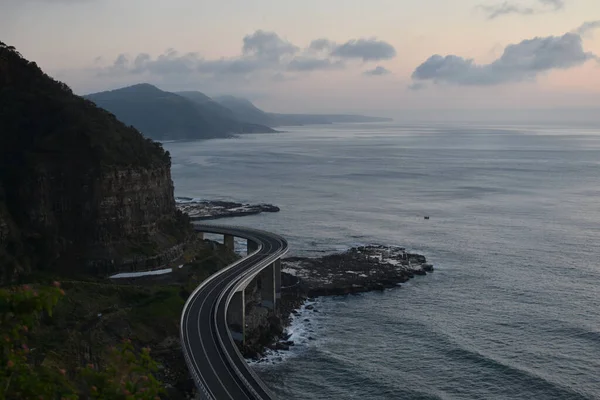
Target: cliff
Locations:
point(80, 192)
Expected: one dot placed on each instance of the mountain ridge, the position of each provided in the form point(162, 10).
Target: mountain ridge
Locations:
point(165, 115)
point(244, 109)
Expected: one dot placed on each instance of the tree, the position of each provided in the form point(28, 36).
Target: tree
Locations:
point(129, 374)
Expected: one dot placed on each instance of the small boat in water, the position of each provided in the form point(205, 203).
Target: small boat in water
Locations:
point(427, 217)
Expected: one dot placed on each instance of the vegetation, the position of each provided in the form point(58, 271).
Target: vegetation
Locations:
point(98, 314)
point(94, 342)
point(64, 124)
point(26, 373)
point(57, 150)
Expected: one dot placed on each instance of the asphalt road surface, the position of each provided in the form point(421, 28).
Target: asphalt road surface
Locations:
point(218, 368)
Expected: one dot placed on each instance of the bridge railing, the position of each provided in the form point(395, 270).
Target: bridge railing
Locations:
point(248, 234)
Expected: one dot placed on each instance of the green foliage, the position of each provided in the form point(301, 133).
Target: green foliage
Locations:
point(162, 311)
point(128, 376)
point(20, 378)
point(24, 374)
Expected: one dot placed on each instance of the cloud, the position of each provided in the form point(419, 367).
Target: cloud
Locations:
point(377, 71)
point(262, 52)
point(267, 45)
point(556, 4)
point(506, 8)
point(524, 61)
point(321, 44)
point(587, 27)
point(417, 86)
point(312, 64)
point(365, 49)
point(121, 61)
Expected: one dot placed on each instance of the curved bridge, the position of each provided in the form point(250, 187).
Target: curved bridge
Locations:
point(217, 366)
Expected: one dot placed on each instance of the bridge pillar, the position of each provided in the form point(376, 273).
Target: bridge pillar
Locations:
point(200, 235)
point(228, 242)
point(251, 246)
point(236, 316)
point(277, 272)
point(267, 287)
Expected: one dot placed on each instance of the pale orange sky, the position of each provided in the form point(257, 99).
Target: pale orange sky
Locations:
point(75, 39)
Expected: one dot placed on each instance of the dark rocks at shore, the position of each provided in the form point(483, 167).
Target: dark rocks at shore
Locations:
point(358, 270)
point(205, 210)
point(272, 335)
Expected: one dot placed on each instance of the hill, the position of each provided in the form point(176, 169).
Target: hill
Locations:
point(244, 110)
point(211, 106)
point(79, 190)
point(168, 116)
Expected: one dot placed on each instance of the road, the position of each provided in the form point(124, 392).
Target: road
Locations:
point(218, 368)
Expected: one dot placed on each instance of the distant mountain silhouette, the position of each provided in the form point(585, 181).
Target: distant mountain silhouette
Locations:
point(212, 106)
point(244, 110)
point(168, 116)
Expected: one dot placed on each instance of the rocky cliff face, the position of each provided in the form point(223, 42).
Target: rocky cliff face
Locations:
point(79, 191)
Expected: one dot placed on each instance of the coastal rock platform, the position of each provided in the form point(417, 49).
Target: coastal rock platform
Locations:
point(360, 269)
point(200, 210)
point(357, 270)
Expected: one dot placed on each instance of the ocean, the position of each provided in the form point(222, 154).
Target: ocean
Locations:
point(513, 308)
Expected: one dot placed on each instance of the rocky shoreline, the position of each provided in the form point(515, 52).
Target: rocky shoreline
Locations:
point(357, 270)
point(200, 210)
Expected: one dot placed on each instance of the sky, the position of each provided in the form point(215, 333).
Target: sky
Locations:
point(377, 56)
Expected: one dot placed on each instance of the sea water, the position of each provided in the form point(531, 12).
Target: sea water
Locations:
point(513, 308)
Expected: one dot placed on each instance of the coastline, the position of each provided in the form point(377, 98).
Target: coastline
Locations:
point(357, 270)
point(363, 269)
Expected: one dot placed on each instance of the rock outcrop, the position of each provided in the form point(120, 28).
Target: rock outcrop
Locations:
point(80, 192)
point(199, 210)
point(358, 270)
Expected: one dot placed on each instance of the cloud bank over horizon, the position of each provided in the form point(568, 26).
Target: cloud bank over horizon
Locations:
point(335, 52)
point(262, 53)
point(520, 62)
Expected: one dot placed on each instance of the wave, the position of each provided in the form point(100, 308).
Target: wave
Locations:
point(302, 331)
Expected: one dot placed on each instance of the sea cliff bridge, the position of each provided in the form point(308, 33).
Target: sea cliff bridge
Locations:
point(213, 317)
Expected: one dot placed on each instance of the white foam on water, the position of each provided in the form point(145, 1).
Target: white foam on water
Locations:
point(290, 271)
point(302, 328)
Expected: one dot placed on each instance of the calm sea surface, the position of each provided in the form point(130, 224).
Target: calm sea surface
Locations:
point(513, 309)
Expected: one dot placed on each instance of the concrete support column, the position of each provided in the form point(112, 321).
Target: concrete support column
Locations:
point(251, 246)
point(200, 235)
point(277, 272)
point(236, 316)
point(228, 242)
point(267, 287)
